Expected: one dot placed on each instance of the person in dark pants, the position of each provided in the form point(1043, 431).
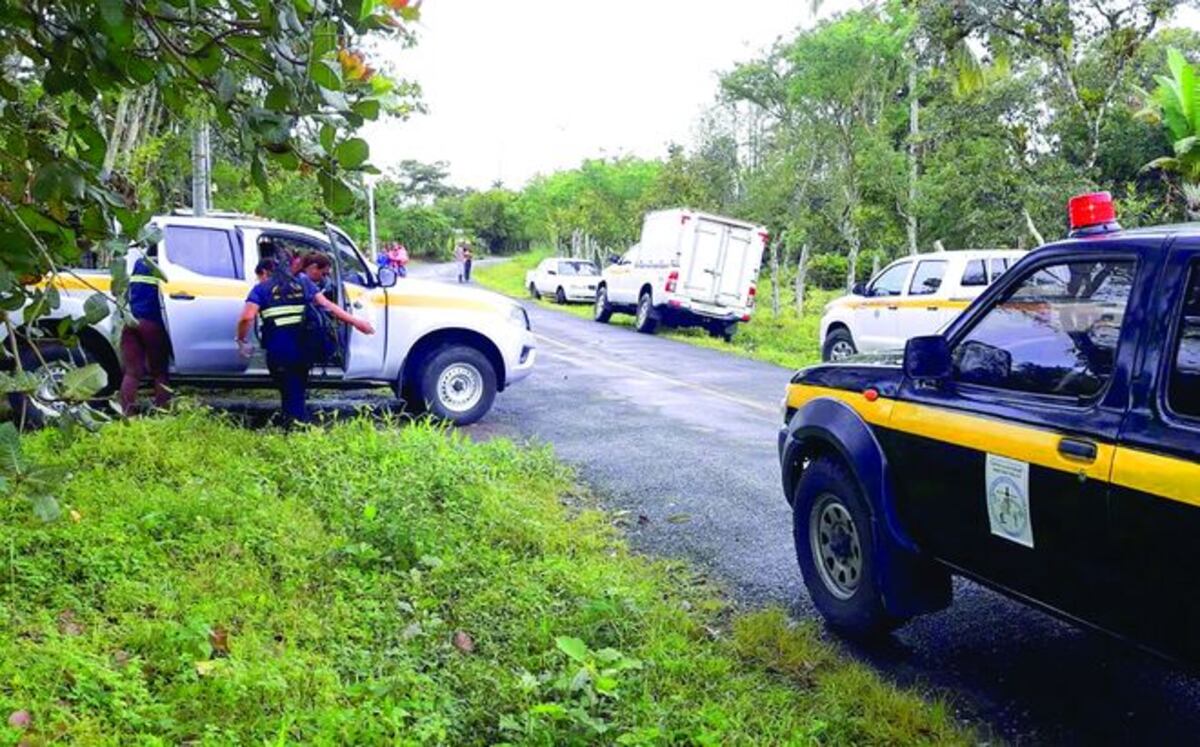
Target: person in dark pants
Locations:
point(144, 342)
point(284, 303)
point(467, 259)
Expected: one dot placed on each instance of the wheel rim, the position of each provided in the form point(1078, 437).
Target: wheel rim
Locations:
point(460, 387)
point(643, 312)
point(47, 397)
point(834, 542)
point(841, 350)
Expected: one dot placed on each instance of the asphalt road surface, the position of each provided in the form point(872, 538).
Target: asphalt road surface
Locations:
point(686, 437)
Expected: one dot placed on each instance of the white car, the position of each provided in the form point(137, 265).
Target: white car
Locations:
point(913, 296)
point(689, 269)
point(564, 279)
point(443, 348)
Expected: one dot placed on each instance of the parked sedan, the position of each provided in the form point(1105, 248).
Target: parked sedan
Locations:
point(564, 279)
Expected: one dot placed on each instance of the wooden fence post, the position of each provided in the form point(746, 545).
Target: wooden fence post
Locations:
point(775, 278)
point(801, 278)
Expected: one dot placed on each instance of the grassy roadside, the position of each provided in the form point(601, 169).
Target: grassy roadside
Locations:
point(368, 585)
point(789, 340)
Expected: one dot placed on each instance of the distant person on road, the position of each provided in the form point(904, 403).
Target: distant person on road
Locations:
point(467, 258)
point(460, 258)
point(144, 343)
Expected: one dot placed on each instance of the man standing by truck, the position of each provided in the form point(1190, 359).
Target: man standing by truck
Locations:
point(285, 304)
point(144, 342)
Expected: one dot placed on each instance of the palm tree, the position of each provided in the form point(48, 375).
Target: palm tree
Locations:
point(1175, 104)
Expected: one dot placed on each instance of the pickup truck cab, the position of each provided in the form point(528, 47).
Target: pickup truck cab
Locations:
point(913, 296)
point(1046, 445)
point(444, 348)
point(689, 269)
point(564, 279)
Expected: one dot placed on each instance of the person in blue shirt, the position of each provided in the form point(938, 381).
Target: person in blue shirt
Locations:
point(144, 342)
point(286, 305)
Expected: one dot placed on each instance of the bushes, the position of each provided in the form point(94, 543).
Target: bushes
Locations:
point(375, 585)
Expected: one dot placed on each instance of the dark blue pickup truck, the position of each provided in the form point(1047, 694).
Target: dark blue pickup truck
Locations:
point(1046, 445)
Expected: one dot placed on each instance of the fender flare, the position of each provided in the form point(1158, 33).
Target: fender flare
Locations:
point(910, 582)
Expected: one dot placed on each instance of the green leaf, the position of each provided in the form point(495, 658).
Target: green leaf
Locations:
point(367, 108)
point(227, 86)
point(325, 75)
point(95, 308)
point(258, 173)
point(328, 133)
point(84, 383)
point(45, 507)
point(352, 153)
point(337, 194)
point(279, 99)
point(12, 460)
point(572, 647)
point(324, 39)
point(1185, 146)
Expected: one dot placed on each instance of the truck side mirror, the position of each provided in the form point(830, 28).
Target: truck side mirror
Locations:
point(927, 358)
point(859, 289)
point(614, 259)
point(387, 277)
point(551, 272)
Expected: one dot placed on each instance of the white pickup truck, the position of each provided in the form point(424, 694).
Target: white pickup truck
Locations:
point(443, 348)
point(689, 269)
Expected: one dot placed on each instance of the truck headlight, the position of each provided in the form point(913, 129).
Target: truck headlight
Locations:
point(518, 315)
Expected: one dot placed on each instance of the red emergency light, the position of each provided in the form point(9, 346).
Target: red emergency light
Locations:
point(1091, 210)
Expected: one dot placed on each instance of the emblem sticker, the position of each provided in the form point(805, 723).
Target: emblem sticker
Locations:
point(1007, 484)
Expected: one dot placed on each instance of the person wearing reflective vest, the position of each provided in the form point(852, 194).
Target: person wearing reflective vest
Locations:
point(286, 304)
point(144, 341)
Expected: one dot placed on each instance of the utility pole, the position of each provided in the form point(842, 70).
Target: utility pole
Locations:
point(371, 217)
point(201, 185)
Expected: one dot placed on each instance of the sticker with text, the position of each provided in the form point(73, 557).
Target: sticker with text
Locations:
point(1007, 484)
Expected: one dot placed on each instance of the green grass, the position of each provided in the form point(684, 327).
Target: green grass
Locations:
point(788, 340)
point(217, 586)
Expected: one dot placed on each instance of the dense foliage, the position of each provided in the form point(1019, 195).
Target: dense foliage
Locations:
point(361, 585)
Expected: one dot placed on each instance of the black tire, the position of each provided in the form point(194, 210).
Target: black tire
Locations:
point(457, 384)
point(560, 297)
point(33, 411)
point(602, 311)
point(836, 344)
point(645, 320)
point(723, 331)
point(833, 533)
point(533, 292)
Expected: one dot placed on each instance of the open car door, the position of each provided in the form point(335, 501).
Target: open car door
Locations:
point(360, 294)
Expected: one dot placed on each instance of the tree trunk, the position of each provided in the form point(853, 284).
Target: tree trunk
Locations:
point(115, 135)
point(1036, 234)
point(775, 278)
point(874, 265)
point(914, 132)
point(801, 279)
point(200, 166)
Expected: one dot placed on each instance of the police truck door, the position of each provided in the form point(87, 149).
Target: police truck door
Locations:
point(362, 297)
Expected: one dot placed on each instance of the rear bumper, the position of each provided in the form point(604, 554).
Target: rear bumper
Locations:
point(682, 311)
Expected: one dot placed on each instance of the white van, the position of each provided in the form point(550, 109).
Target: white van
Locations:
point(689, 269)
point(913, 296)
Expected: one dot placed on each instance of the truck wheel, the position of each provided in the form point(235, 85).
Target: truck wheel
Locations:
point(723, 331)
point(833, 533)
point(533, 291)
point(645, 321)
point(458, 384)
point(41, 408)
point(602, 311)
point(839, 345)
point(560, 297)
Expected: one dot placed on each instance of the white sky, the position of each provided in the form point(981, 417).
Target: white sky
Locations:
point(523, 87)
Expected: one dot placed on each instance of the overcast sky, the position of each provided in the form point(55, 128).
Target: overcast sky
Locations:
point(519, 87)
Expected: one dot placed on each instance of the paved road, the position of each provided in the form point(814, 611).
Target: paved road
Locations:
point(686, 437)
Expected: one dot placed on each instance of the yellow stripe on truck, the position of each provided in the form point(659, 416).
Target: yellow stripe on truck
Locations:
point(910, 303)
point(435, 302)
point(1173, 478)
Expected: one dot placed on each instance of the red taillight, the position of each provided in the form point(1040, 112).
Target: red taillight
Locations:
point(672, 281)
point(753, 293)
point(1091, 210)
point(766, 237)
point(871, 395)
point(684, 218)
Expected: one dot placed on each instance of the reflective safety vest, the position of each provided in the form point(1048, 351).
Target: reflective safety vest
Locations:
point(282, 314)
point(144, 302)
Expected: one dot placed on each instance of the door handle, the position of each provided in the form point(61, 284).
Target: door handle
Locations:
point(931, 308)
point(892, 308)
point(357, 304)
point(182, 296)
point(1077, 449)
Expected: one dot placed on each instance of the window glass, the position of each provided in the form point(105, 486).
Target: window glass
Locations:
point(928, 277)
point(975, 274)
point(577, 268)
point(276, 246)
point(1056, 333)
point(999, 267)
point(890, 282)
point(206, 251)
point(354, 270)
point(1183, 394)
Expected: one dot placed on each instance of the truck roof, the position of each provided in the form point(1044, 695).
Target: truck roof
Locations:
point(226, 221)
